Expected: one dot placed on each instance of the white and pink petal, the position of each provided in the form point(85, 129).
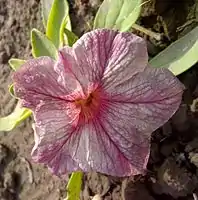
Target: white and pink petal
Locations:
point(65, 147)
point(102, 55)
point(55, 125)
point(37, 81)
point(148, 99)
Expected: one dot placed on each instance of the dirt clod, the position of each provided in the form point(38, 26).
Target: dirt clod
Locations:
point(135, 190)
point(3, 153)
point(180, 119)
point(98, 183)
point(194, 158)
point(174, 180)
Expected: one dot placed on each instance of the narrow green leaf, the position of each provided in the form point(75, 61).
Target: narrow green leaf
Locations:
point(42, 46)
point(68, 25)
point(117, 14)
point(16, 63)
point(46, 6)
point(74, 186)
point(11, 90)
point(196, 10)
point(11, 121)
point(70, 37)
point(180, 55)
point(57, 21)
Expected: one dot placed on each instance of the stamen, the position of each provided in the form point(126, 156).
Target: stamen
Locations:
point(89, 106)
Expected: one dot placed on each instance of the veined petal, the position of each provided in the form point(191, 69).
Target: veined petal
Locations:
point(148, 99)
point(86, 148)
point(37, 81)
point(136, 108)
point(132, 144)
point(64, 146)
point(104, 55)
point(51, 153)
point(54, 128)
point(97, 152)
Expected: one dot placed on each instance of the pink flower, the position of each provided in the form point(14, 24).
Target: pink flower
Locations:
point(96, 107)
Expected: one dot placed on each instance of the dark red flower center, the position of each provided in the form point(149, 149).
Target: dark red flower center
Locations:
point(89, 106)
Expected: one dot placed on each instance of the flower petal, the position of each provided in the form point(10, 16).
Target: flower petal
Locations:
point(97, 152)
point(37, 81)
point(148, 99)
point(132, 144)
point(136, 108)
point(64, 146)
point(53, 128)
point(87, 148)
point(104, 54)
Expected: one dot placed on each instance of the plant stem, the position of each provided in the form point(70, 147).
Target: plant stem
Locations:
point(195, 196)
point(74, 186)
point(148, 32)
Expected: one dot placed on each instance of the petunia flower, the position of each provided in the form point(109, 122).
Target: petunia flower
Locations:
point(96, 107)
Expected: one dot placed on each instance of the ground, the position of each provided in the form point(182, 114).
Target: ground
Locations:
point(173, 164)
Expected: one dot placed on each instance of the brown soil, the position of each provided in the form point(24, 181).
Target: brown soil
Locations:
point(173, 165)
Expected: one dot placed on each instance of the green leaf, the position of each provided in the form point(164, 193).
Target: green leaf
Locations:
point(70, 37)
point(74, 186)
point(11, 121)
point(117, 14)
point(196, 10)
point(46, 8)
point(57, 21)
point(16, 63)
point(42, 46)
point(180, 55)
point(11, 90)
point(68, 25)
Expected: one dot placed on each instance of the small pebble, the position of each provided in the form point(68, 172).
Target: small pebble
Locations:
point(97, 197)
